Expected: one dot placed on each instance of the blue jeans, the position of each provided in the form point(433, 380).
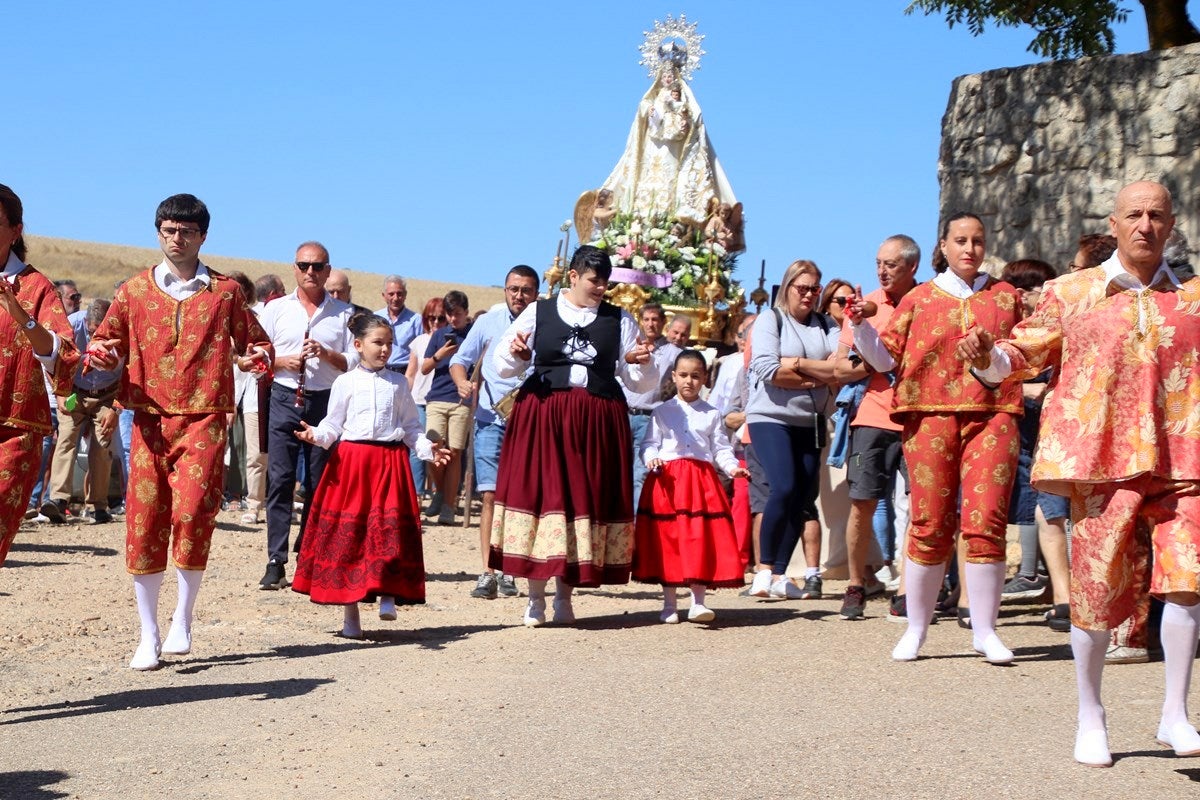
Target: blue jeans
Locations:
point(488, 438)
point(417, 465)
point(792, 460)
point(637, 425)
point(125, 427)
point(39, 488)
point(884, 524)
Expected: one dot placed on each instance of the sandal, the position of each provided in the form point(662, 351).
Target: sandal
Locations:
point(1058, 618)
point(964, 618)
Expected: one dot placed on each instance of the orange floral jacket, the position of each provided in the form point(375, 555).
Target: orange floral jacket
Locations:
point(1125, 400)
point(179, 354)
point(922, 337)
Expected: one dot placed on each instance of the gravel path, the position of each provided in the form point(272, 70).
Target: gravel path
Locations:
point(455, 700)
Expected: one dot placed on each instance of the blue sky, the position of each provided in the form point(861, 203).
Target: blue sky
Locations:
point(450, 141)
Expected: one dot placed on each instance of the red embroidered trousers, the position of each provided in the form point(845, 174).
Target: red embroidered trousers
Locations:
point(20, 457)
point(176, 476)
point(972, 454)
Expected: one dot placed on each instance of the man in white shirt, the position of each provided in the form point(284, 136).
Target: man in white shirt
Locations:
point(642, 404)
point(313, 345)
point(406, 323)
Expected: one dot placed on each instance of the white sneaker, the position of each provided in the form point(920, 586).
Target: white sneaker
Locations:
point(1180, 737)
point(761, 585)
point(178, 641)
point(784, 589)
point(535, 613)
point(908, 647)
point(889, 576)
point(250, 518)
point(564, 612)
point(387, 608)
point(1091, 748)
point(669, 616)
point(698, 613)
point(146, 656)
point(992, 649)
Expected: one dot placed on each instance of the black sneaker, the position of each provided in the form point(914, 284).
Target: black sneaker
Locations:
point(854, 603)
point(1023, 587)
point(101, 517)
point(898, 610)
point(485, 587)
point(507, 585)
point(812, 588)
point(56, 511)
point(274, 578)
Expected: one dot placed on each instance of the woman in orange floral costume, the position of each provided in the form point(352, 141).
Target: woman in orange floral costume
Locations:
point(960, 439)
point(34, 334)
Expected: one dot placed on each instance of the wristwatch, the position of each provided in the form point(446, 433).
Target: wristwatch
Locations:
point(30, 324)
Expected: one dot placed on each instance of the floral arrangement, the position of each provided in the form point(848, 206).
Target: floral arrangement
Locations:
point(674, 262)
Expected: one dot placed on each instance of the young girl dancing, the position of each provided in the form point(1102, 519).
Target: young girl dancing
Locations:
point(363, 538)
point(685, 533)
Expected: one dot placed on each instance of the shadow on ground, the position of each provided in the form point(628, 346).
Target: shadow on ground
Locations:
point(31, 784)
point(164, 696)
point(30, 547)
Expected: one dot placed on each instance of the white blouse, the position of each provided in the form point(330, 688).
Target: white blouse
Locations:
point(688, 430)
point(369, 406)
point(638, 377)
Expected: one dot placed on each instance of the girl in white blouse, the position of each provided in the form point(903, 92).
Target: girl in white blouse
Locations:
point(685, 533)
point(363, 538)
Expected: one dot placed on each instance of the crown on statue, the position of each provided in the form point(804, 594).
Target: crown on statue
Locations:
point(674, 41)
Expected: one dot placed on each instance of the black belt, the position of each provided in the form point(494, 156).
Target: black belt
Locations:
point(291, 390)
point(640, 412)
point(105, 392)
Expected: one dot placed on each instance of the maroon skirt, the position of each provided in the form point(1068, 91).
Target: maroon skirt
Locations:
point(363, 537)
point(685, 529)
point(564, 504)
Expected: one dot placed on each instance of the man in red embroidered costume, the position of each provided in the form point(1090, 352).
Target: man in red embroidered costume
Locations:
point(1121, 438)
point(178, 325)
point(34, 335)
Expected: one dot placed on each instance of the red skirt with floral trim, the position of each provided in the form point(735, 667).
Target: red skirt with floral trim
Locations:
point(685, 529)
point(363, 537)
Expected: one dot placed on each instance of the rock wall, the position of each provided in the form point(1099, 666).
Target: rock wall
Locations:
point(1039, 152)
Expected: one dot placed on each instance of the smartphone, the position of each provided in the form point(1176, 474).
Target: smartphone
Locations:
point(451, 339)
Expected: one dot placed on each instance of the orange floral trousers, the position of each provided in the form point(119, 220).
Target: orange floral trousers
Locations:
point(176, 476)
point(972, 454)
point(1127, 536)
point(20, 457)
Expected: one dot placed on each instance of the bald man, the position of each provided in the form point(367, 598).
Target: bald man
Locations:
point(1121, 438)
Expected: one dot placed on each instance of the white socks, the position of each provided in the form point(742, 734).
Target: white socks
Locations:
point(564, 613)
point(387, 607)
point(179, 637)
point(921, 584)
point(670, 610)
point(1091, 741)
point(145, 592)
point(351, 624)
point(984, 584)
point(535, 611)
point(1180, 628)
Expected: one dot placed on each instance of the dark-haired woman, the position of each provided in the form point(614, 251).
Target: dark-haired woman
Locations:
point(34, 335)
point(564, 496)
point(960, 438)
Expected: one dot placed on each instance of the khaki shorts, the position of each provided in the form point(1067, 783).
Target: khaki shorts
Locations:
point(451, 420)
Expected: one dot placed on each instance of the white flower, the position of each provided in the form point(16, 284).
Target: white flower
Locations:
point(639, 262)
point(657, 233)
point(718, 250)
point(622, 240)
point(687, 253)
point(657, 265)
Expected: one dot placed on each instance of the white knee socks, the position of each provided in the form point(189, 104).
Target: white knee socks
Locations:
point(1180, 628)
point(179, 637)
point(146, 589)
point(984, 584)
point(922, 583)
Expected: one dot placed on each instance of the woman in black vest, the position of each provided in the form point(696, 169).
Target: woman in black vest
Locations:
point(564, 494)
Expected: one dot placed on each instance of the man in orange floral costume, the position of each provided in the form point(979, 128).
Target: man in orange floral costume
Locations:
point(1121, 438)
point(178, 325)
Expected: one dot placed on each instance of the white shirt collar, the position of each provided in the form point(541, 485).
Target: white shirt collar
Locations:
point(952, 284)
point(1115, 273)
point(165, 277)
point(13, 266)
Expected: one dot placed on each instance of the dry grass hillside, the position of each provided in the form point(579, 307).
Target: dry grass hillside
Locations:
point(97, 268)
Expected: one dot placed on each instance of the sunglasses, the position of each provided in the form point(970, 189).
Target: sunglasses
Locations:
point(841, 301)
point(315, 266)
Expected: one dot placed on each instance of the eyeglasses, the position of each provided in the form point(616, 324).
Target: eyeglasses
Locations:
point(168, 232)
point(801, 288)
point(315, 266)
point(438, 318)
point(75, 297)
point(524, 291)
point(841, 301)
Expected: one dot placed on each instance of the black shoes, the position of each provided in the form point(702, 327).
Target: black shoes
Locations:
point(274, 578)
